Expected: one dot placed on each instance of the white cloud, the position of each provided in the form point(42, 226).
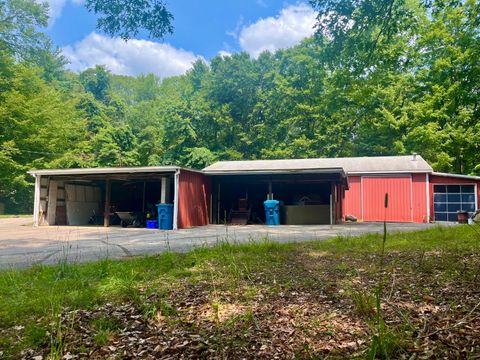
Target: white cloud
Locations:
point(128, 58)
point(238, 26)
point(224, 53)
point(294, 23)
point(262, 3)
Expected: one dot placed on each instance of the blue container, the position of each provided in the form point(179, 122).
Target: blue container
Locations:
point(165, 216)
point(272, 212)
point(152, 224)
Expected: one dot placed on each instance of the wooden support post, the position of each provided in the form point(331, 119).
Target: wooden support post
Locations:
point(210, 212)
point(106, 210)
point(270, 194)
point(52, 202)
point(331, 210)
point(36, 201)
point(176, 195)
point(163, 191)
point(218, 204)
point(143, 199)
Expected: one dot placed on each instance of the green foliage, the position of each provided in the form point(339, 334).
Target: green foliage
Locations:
point(37, 125)
point(199, 158)
point(127, 18)
point(19, 23)
point(378, 78)
point(96, 81)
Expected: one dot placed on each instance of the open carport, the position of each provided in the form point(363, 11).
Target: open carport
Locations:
point(308, 195)
point(104, 196)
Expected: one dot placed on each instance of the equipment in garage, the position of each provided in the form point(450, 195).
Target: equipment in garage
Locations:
point(241, 215)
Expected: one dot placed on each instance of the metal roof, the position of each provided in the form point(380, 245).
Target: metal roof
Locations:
point(467, 177)
point(109, 170)
point(351, 165)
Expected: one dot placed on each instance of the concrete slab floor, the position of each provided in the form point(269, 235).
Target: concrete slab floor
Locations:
point(22, 245)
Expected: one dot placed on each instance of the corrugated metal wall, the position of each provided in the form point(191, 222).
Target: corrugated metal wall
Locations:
point(419, 198)
point(407, 198)
point(338, 191)
point(352, 203)
point(193, 199)
point(399, 189)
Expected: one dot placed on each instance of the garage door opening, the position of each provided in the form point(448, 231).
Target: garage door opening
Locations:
point(399, 189)
point(82, 203)
point(304, 199)
point(448, 199)
point(117, 196)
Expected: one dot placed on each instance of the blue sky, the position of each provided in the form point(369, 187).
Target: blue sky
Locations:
point(203, 29)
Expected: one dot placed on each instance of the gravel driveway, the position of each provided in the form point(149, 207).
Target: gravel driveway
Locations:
point(22, 245)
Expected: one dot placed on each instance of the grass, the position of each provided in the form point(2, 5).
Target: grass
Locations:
point(248, 298)
point(8, 216)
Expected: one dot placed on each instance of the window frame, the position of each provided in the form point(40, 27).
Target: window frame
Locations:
point(475, 193)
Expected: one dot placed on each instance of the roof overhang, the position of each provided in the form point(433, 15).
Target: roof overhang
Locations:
point(336, 175)
point(276, 172)
point(458, 176)
point(105, 171)
point(338, 170)
point(357, 173)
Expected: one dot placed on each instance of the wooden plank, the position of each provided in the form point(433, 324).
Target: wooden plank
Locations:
point(163, 191)
point(143, 198)
point(36, 206)
point(52, 203)
point(106, 210)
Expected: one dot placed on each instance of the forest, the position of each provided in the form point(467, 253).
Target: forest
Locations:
point(378, 78)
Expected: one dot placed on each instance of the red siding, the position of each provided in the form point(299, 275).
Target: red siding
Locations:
point(352, 202)
point(337, 195)
point(449, 180)
point(193, 199)
point(419, 198)
point(399, 189)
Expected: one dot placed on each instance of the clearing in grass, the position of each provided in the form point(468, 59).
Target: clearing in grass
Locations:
point(308, 300)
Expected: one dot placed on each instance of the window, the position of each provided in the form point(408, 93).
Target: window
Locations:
point(448, 199)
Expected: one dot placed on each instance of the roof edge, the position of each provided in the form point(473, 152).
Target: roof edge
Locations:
point(459, 176)
point(104, 170)
point(338, 170)
point(389, 172)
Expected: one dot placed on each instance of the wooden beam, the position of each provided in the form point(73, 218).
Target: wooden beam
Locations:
point(176, 199)
point(106, 210)
point(218, 203)
point(163, 191)
point(143, 199)
point(36, 201)
point(52, 203)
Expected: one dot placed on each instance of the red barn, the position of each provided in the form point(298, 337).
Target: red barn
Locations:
point(310, 191)
point(353, 186)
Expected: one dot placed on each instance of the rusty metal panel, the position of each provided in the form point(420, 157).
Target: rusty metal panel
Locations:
point(352, 202)
point(399, 189)
point(193, 199)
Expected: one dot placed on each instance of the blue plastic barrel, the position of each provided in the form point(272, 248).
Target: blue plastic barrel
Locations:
point(165, 216)
point(272, 212)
